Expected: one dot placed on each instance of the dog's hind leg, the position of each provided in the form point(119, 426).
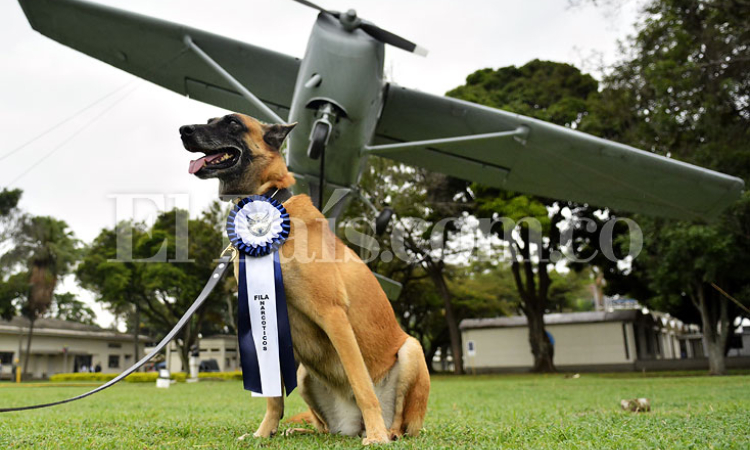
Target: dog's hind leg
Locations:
point(306, 389)
point(412, 391)
point(415, 403)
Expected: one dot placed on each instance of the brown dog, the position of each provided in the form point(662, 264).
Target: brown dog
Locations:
point(359, 372)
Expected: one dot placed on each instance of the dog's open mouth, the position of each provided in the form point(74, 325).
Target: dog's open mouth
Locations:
point(221, 159)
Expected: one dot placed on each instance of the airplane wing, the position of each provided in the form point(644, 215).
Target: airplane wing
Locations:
point(154, 49)
point(546, 159)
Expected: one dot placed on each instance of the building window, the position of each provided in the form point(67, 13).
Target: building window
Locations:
point(625, 339)
point(114, 345)
point(6, 357)
point(114, 361)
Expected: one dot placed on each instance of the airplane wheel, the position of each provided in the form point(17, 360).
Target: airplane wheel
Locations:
point(318, 142)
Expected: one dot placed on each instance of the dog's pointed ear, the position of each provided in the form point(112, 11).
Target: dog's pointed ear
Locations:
point(275, 134)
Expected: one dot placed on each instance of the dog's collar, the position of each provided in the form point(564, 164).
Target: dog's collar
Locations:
point(280, 195)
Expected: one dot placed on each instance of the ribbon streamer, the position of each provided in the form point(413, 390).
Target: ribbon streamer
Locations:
point(286, 351)
point(258, 226)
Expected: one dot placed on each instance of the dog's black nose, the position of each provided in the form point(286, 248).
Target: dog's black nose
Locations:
point(187, 130)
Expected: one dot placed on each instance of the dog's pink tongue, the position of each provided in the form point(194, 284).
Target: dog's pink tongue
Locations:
point(198, 164)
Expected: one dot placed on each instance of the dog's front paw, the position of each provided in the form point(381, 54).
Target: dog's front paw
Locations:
point(380, 437)
point(260, 434)
point(264, 434)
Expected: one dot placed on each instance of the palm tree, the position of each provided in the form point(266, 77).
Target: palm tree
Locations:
point(46, 250)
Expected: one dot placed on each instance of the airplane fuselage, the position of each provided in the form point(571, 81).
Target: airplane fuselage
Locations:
point(350, 67)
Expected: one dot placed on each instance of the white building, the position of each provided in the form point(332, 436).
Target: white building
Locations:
point(221, 347)
point(598, 340)
point(58, 346)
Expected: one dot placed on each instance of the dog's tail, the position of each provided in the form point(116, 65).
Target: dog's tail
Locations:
point(302, 418)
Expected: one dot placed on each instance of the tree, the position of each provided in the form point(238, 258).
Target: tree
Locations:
point(176, 285)
point(710, 251)
point(118, 284)
point(420, 203)
point(45, 250)
point(9, 201)
point(8, 214)
point(13, 291)
point(159, 292)
point(438, 206)
point(681, 91)
point(557, 93)
point(66, 306)
point(476, 290)
point(570, 292)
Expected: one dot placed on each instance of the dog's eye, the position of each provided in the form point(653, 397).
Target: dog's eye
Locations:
point(234, 124)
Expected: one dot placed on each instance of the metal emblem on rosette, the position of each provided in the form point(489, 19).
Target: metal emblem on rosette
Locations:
point(257, 226)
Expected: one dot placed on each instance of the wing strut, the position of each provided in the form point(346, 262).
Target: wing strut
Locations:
point(522, 132)
point(270, 116)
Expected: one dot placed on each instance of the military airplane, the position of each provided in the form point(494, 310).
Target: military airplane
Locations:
point(346, 111)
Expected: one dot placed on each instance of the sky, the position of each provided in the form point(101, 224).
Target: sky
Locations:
point(128, 143)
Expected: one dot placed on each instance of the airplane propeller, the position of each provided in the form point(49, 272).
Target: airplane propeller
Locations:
point(350, 21)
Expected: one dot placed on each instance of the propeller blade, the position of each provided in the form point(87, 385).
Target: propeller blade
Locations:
point(350, 21)
point(319, 8)
point(389, 38)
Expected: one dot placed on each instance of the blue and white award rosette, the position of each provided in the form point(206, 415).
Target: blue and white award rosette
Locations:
point(257, 227)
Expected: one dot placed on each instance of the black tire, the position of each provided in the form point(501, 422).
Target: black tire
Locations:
point(318, 141)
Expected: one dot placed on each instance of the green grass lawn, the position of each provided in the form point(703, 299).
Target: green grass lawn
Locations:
point(492, 412)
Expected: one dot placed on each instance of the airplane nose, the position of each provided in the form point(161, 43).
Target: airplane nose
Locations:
point(187, 130)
